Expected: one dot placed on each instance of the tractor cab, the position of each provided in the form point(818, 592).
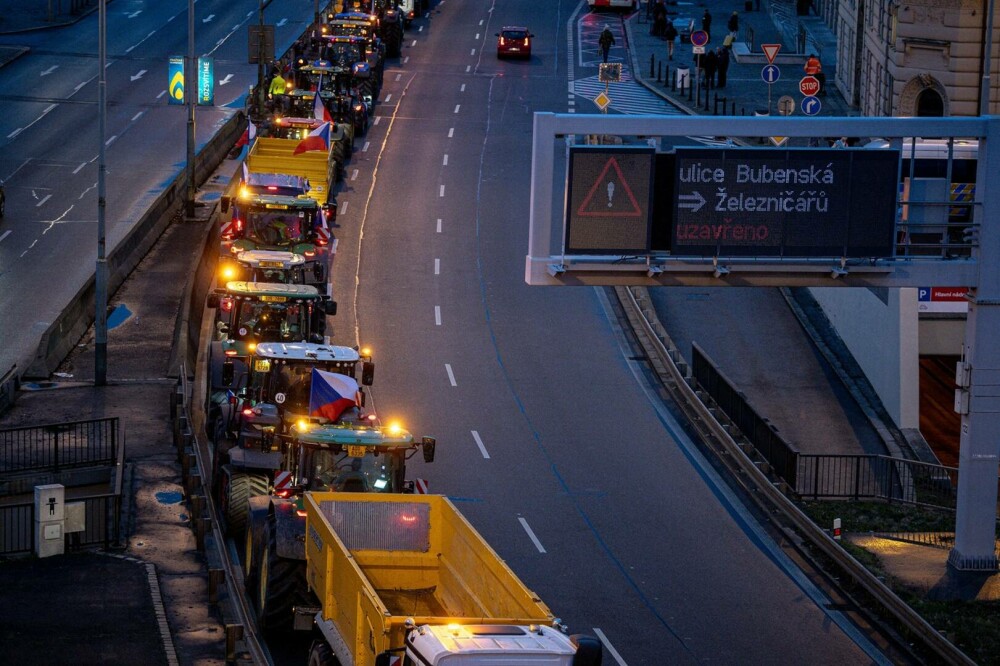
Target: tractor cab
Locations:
point(249, 313)
point(263, 266)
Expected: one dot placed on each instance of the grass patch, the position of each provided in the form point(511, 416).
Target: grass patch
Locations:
point(973, 626)
point(879, 517)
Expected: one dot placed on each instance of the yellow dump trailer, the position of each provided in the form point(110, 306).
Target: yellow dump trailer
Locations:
point(320, 167)
point(405, 579)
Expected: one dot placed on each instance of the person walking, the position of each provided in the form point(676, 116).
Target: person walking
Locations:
point(814, 67)
point(706, 24)
point(671, 35)
point(722, 58)
point(606, 41)
point(710, 63)
point(733, 25)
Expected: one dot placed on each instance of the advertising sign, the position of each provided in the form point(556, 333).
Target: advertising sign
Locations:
point(175, 79)
point(206, 81)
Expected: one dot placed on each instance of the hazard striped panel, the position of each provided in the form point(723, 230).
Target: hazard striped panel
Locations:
point(282, 480)
point(420, 486)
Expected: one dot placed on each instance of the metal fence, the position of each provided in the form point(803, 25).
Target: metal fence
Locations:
point(782, 456)
point(866, 476)
point(58, 445)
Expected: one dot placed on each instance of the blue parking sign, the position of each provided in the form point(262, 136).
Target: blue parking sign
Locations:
point(175, 79)
point(206, 81)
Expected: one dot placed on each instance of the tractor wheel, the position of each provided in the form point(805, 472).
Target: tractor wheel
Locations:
point(394, 40)
point(235, 491)
point(320, 654)
point(281, 585)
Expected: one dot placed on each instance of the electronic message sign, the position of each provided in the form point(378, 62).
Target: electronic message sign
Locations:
point(783, 203)
point(608, 200)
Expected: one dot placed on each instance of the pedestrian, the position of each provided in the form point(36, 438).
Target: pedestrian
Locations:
point(733, 25)
point(710, 64)
point(671, 35)
point(706, 24)
point(606, 41)
point(659, 18)
point(722, 56)
point(814, 67)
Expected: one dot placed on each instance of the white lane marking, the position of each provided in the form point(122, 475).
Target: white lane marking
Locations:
point(77, 170)
point(388, 97)
point(134, 14)
point(365, 149)
point(15, 132)
point(609, 647)
point(49, 70)
point(48, 108)
point(342, 208)
point(377, 118)
point(229, 77)
point(473, 52)
point(531, 535)
point(137, 116)
point(437, 266)
point(282, 22)
point(113, 137)
point(462, 89)
point(406, 60)
point(481, 21)
point(457, 107)
point(479, 443)
point(162, 93)
point(129, 49)
point(354, 176)
point(468, 68)
point(420, 29)
point(439, 225)
point(437, 316)
point(399, 76)
point(477, 36)
point(451, 375)
point(5, 234)
point(208, 19)
point(445, 163)
point(138, 75)
point(77, 87)
point(441, 191)
point(451, 132)
point(414, 43)
point(44, 199)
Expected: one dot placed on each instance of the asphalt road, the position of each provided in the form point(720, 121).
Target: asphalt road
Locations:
point(587, 488)
point(49, 140)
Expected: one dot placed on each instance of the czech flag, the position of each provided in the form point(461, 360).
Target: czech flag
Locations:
point(331, 394)
point(248, 135)
point(318, 139)
point(319, 108)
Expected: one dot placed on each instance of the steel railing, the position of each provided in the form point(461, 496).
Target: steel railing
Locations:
point(55, 446)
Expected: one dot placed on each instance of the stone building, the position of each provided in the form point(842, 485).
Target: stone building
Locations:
point(915, 57)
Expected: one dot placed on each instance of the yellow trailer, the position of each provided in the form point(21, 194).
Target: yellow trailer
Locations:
point(405, 579)
point(321, 167)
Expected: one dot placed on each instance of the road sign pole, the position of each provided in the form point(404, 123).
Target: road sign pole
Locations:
point(769, 99)
point(101, 271)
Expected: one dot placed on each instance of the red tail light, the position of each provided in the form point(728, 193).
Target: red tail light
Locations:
point(248, 412)
point(320, 240)
point(300, 513)
point(283, 493)
point(227, 304)
point(502, 41)
point(272, 188)
point(231, 352)
point(309, 254)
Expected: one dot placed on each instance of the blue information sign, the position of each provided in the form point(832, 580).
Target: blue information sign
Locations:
point(206, 81)
point(175, 79)
point(811, 106)
point(770, 73)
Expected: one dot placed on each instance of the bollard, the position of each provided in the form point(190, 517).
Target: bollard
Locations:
point(659, 72)
point(690, 91)
point(667, 75)
point(733, 112)
point(192, 482)
point(234, 633)
point(836, 529)
point(201, 527)
point(197, 502)
point(188, 462)
point(651, 59)
point(216, 579)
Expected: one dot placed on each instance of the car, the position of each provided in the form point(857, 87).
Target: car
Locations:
point(514, 41)
point(684, 26)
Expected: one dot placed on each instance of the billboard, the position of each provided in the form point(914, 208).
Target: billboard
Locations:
point(781, 203)
point(175, 79)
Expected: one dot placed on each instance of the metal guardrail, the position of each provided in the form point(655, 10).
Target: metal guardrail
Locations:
point(767, 494)
point(56, 446)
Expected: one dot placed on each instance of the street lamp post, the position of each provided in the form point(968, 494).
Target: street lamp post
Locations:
point(190, 92)
point(101, 273)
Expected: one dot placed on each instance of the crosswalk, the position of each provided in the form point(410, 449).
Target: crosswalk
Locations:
point(627, 97)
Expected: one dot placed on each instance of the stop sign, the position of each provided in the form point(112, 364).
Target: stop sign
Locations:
point(809, 86)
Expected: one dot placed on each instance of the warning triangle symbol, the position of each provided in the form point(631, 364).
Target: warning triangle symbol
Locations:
point(610, 195)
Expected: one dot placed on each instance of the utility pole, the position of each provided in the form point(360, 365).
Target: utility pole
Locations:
point(191, 93)
point(101, 273)
point(984, 91)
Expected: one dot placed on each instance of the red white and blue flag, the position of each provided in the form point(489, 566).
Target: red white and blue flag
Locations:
point(331, 394)
point(319, 108)
point(318, 139)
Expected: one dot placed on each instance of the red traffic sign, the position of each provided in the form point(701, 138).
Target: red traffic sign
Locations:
point(699, 38)
point(809, 86)
point(770, 51)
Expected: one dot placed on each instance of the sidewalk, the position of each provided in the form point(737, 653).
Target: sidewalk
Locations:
point(17, 17)
point(745, 90)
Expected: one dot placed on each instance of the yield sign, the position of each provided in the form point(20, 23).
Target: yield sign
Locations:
point(610, 195)
point(779, 140)
point(770, 51)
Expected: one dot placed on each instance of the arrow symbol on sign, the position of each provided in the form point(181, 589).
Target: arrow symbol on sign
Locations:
point(226, 80)
point(282, 22)
point(49, 70)
point(136, 77)
point(693, 202)
point(208, 18)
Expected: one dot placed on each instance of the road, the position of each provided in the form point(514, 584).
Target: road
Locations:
point(49, 141)
point(550, 445)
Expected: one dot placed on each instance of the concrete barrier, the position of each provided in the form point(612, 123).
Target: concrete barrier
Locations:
point(63, 333)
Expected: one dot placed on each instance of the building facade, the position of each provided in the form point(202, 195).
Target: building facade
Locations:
point(915, 57)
